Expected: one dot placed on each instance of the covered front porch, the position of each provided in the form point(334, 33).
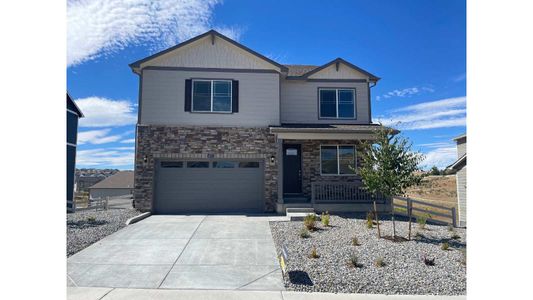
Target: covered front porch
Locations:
point(318, 168)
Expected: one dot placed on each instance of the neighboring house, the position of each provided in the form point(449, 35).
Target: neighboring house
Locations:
point(83, 183)
point(73, 114)
point(459, 167)
point(222, 128)
point(119, 184)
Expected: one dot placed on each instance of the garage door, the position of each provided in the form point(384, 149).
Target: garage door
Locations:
point(219, 186)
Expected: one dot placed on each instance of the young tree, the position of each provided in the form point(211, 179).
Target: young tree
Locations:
point(389, 164)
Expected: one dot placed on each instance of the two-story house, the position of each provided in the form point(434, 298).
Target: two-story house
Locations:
point(222, 128)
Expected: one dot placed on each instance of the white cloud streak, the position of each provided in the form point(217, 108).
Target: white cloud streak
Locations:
point(406, 92)
point(97, 28)
point(440, 157)
point(104, 157)
point(128, 141)
point(103, 112)
point(442, 113)
point(97, 137)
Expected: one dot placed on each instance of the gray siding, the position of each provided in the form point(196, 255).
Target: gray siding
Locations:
point(163, 93)
point(461, 195)
point(461, 147)
point(299, 102)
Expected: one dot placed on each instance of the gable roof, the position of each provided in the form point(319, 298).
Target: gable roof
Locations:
point(299, 70)
point(135, 65)
point(72, 106)
point(120, 180)
point(458, 164)
point(338, 60)
point(459, 137)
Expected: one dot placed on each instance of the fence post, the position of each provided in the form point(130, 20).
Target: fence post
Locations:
point(454, 217)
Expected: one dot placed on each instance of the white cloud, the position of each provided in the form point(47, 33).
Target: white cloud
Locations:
point(460, 77)
point(97, 137)
point(102, 112)
point(97, 28)
point(440, 157)
point(104, 157)
point(442, 113)
point(406, 92)
point(128, 141)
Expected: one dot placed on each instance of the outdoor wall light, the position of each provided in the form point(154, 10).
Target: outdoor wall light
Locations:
point(272, 159)
point(145, 159)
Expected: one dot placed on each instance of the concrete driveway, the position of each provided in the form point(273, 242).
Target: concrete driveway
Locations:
point(182, 252)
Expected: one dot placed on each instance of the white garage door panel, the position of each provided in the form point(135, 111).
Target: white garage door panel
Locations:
point(209, 190)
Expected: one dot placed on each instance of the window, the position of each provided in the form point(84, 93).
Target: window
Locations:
point(197, 164)
point(171, 164)
point(337, 160)
point(224, 164)
point(249, 164)
point(337, 103)
point(211, 95)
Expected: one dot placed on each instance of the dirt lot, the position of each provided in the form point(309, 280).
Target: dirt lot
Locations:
point(436, 189)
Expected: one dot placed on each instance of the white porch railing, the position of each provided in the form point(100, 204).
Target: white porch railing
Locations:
point(342, 192)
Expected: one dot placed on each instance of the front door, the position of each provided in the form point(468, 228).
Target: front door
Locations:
point(292, 169)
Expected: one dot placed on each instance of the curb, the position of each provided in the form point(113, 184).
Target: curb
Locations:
point(138, 218)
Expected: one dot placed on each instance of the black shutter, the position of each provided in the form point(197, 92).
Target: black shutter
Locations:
point(235, 96)
point(188, 94)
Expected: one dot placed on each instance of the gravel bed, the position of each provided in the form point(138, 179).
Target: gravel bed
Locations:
point(82, 231)
point(404, 271)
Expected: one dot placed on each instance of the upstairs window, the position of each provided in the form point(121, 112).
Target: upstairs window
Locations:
point(212, 96)
point(336, 103)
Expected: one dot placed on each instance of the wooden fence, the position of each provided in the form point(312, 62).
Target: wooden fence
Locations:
point(96, 204)
point(417, 208)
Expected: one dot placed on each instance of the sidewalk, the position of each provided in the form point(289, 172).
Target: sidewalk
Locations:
point(85, 293)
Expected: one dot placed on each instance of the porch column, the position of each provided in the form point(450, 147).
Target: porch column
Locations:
point(279, 144)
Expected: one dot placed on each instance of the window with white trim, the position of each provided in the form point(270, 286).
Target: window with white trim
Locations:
point(211, 95)
point(337, 160)
point(336, 103)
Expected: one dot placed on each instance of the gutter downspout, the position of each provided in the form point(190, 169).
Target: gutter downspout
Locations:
point(369, 104)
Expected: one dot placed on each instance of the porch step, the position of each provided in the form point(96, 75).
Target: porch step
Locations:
point(299, 213)
point(295, 200)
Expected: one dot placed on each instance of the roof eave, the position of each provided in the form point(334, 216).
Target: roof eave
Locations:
point(371, 76)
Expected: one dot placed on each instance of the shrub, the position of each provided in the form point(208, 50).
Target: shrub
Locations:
point(444, 246)
point(353, 261)
point(450, 228)
point(313, 253)
point(379, 262)
point(325, 219)
point(421, 220)
point(91, 219)
point(428, 262)
point(355, 241)
point(455, 236)
point(309, 221)
point(370, 220)
point(304, 233)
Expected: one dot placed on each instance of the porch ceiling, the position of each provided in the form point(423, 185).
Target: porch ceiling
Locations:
point(327, 131)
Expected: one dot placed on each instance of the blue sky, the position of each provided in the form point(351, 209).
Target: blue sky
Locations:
point(417, 47)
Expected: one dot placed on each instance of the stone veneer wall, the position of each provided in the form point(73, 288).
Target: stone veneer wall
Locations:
point(311, 162)
point(160, 142)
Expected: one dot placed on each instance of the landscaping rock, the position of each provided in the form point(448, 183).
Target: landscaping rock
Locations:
point(404, 271)
point(88, 227)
